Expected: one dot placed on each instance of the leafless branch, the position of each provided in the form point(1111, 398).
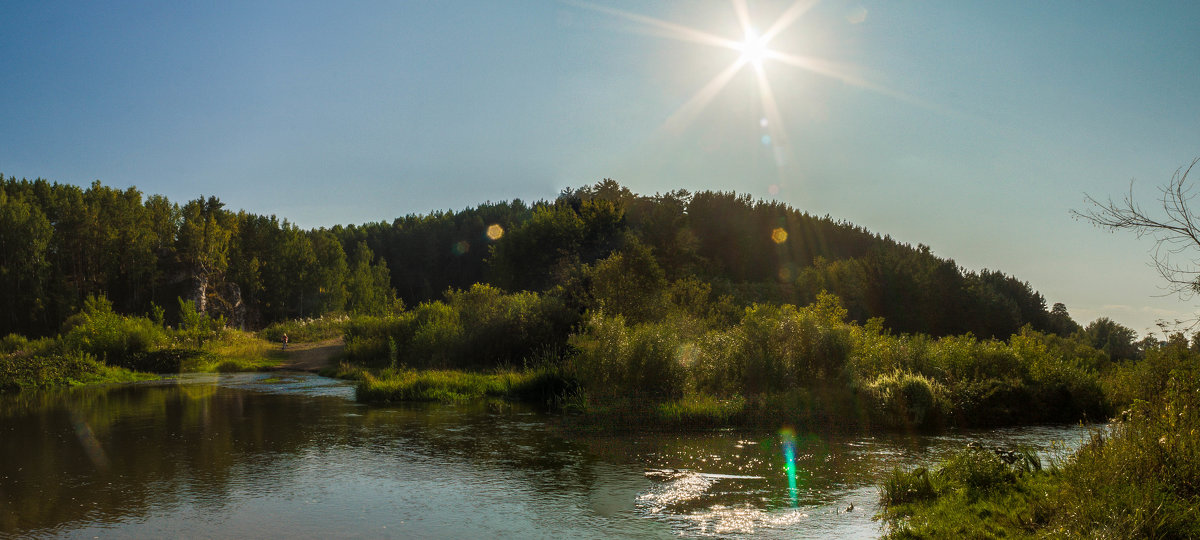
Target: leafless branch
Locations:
point(1175, 232)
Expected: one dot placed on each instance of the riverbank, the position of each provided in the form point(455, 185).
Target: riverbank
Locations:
point(1140, 479)
point(102, 347)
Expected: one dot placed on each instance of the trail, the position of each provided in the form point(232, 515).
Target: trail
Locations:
point(311, 356)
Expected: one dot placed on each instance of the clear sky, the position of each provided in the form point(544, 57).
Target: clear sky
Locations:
point(971, 127)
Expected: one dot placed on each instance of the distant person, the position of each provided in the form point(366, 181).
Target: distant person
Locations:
point(285, 340)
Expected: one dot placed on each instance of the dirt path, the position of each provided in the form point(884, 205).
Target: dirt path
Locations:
point(311, 356)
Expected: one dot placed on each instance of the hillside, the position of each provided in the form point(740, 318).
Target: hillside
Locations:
point(60, 243)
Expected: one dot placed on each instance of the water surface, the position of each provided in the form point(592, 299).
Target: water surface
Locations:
point(253, 455)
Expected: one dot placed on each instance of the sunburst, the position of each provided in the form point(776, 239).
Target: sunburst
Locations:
point(755, 52)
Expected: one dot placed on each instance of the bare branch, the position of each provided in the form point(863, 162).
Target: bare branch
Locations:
point(1175, 232)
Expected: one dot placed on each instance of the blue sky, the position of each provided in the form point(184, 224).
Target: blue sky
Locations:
point(970, 127)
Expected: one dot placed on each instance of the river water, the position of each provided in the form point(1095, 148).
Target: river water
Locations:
point(292, 455)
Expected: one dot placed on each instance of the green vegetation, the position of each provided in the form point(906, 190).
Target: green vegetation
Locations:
point(1140, 479)
point(689, 309)
point(681, 359)
point(60, 244)
point(457, 386)
point(98, 345)
point(330, 326)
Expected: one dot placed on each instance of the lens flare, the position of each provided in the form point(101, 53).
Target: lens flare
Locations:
point(495, 231)
point(787, 437)
point(779, 235)
point(460, 248)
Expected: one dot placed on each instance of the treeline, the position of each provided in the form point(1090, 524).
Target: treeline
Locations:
point(753, 251)
point(60, 243)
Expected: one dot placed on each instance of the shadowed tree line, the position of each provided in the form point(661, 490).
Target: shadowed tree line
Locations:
point(753, 251)
point(60, 243)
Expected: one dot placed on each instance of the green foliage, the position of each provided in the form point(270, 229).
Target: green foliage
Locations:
point(20, 372)
point(1138, 479)
point(114, 339)
point(163, 360)
point(536, 386)
point(976, 471)
point(368, 289)
point(196, 327)
point(13, 343)
point(480, 328)
point(306, 330)
point(60, 243)
point(701, 410)
point(901, 487)
point(570, 229)
point(646, 359)
point(1111, 337)
point(904, 399)
point(630, 283)
point(25, 371)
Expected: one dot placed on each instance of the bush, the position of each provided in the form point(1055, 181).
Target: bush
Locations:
point(162, 361)
point(904, 399)
point(991, 402)
point(110, 337)
point(1140, 479)
point(481, 328)
point(18, 372)
point(642, 360)
point(13, 343)
point(977, 471)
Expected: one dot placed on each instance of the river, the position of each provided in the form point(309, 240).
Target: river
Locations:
point(292, 455)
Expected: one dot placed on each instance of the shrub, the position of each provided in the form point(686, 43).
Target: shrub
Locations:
point(480, 328)
point(907, 399)
point(645, 359)
point(907, 487)
point(170, 360)
point(306, 330)
point(977, 471)
point(18, 372)
point(13, 343)
point(112, 338)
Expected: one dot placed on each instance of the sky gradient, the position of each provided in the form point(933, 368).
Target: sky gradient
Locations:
point(973, 128)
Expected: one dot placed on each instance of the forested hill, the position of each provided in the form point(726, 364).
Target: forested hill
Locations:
point(60, 243)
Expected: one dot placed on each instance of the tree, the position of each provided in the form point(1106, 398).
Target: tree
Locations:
point(1176, 231)
point(203, 243)
point(25, 235)
point(1111, 337)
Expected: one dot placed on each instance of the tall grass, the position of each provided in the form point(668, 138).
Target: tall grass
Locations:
point(330, 326)
point(481, 328)
point(542, 386)
point(1141, 479)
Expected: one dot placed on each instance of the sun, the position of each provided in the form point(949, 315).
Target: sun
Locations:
point(754, 49)
point(754, 52)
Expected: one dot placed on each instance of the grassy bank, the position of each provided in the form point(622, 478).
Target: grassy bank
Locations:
point(1139, 480)
point(100, 346)
point(683, 359)
point(532, 386)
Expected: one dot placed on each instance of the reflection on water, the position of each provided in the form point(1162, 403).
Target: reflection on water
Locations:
point(292, 454)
